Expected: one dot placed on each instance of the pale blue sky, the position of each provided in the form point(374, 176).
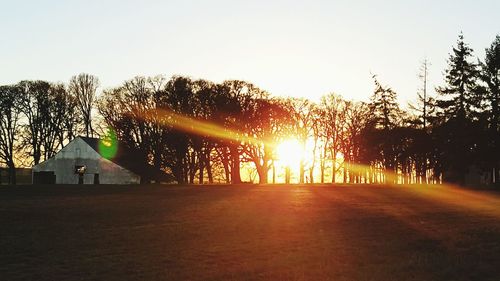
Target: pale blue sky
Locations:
point(297, 48)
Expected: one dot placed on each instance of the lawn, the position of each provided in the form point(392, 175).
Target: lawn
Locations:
point(249, 233)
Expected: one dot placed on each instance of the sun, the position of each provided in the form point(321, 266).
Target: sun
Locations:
point(289, 152)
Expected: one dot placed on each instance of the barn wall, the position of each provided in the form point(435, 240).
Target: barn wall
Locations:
point(78, 152)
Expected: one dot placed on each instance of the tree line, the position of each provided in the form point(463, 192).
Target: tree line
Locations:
point(195, 131)
point(37, 118)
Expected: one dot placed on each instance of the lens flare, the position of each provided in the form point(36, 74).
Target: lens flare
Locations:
point(199, 127)
point(108, 146)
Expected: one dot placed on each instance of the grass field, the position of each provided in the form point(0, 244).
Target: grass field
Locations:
point(249, 233)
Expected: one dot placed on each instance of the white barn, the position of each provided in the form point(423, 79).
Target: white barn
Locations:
point(80, 162)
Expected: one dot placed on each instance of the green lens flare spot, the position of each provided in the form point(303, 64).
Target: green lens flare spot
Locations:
point(108, 146)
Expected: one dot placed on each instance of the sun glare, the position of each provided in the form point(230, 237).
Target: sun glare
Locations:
point(289, 152)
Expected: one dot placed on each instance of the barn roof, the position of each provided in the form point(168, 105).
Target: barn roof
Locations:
point(124, 157)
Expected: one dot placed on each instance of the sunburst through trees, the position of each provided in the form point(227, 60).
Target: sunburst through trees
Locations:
point(197, 131)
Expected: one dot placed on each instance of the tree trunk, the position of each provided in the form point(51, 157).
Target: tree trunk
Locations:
point(36, 156)
point(344, 174)
point(262, 171)
point(209, 170)
point(179, 173)
point(334, 167)
point(287, 175)
point(227, 172)
point(301, 172)
point(235, 171)
point(322, 171)
point(12, 173)
point(201, 165)
point(274, 173)
point(311, 174)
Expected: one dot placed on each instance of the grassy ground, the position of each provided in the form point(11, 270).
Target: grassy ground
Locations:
point(249, 233)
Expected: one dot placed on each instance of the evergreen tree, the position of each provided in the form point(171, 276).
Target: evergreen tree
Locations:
point(459, 95)
point(386, 115)
point(458, 135)
point(490, 75)
point(384, 106)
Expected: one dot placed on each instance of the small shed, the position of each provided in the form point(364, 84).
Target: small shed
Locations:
point(82, 162)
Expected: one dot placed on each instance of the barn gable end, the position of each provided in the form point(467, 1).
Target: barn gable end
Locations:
point(79, 153)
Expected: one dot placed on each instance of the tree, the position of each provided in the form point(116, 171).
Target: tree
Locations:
point(177, 97)
point(490, 75)
point(423, 121)
point(459, 96)
point(47, 112)
point(384, 106)
point(228, 98)
point(302, 111)
point(316, 135)
point(386, 116)
point(131, 111)
point(330, 108)
point(34, 103)
point(202, 145)
point(425, 105)
point(265, 124)
point(235, 99)
point(355, 117)
point(84, 87)
point(59, 120)
point(71, 117)
point(10, 115)
point(459, 103)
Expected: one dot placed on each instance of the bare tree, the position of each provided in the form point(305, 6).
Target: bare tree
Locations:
point(266, 122)
point(47, 114)
point(84, 87)
point(302, 113)
point(71, 118)
point(130, 110)
point(354, 117)
point(316, 134)
point(424, 107)
point(33, 103)
point(9, 129)
point(330, 109)
point(59, 119)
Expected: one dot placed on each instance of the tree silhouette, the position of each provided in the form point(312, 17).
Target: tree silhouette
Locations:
point(302, 111)
point(490, 75)
point(84, 87)
point(163, 124)
point(131, 111)
point(459, 95)
point(459, 104)
point(425, 105)
point(10, 116)
point(265, 122)
point(34, 102)
point(330, 109)
point(386, 116)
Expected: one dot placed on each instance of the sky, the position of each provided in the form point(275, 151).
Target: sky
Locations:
point(289, 48)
